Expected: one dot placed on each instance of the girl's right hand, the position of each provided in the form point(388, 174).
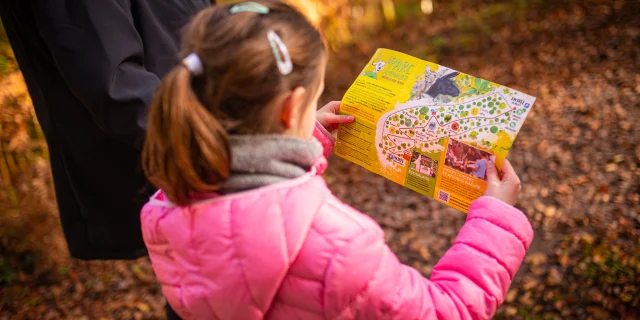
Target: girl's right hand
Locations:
point(505, 189)
point(329, 118)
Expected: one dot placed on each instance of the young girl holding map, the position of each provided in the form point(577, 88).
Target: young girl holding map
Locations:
point(245, 227)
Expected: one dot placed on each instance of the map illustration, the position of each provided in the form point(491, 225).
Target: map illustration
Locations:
point(469, 109)
point(430, 128)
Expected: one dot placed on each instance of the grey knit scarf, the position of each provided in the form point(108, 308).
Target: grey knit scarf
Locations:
point(259, 160)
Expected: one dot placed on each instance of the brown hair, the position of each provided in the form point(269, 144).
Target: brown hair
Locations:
point(186, 148)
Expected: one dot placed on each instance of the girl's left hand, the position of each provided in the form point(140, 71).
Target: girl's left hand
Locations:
point(329, 118)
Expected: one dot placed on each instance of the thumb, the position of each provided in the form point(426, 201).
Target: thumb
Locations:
point(338, 119)
point(492, 173)
point(508, 173)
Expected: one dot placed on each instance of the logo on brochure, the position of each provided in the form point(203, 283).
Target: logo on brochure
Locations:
point(378, 65)
point(397, 159)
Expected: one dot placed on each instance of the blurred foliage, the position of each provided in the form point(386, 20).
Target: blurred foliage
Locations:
point(7, 61)
point(30, 235)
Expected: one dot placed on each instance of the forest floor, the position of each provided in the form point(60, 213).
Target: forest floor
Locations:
point(578, 156)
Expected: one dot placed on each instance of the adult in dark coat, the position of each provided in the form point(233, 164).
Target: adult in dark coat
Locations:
point(91, 67)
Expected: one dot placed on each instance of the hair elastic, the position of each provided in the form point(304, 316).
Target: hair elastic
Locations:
point(249, 7)
point(285, 66)
point(194, 64)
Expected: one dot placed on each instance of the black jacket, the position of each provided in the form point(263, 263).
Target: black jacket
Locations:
point(91, 67)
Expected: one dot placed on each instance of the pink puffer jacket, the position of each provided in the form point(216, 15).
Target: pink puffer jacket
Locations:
point(292, 250)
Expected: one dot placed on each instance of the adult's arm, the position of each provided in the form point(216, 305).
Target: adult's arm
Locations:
point(100, 55)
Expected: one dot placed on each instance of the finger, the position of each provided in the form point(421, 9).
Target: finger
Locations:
point(338, 119)
point(334, 106)
point(331, 107)
point(492, 173)
point(507, 170)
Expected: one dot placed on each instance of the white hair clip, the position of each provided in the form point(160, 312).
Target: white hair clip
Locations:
point(194, 64)
point(249, 7)
point(283, 60)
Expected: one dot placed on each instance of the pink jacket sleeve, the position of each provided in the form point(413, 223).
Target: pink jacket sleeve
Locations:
point(325, 138)
point(469, 282)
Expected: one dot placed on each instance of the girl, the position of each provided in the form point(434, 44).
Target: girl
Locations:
point(244, 226)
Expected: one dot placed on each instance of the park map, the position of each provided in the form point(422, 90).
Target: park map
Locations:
point(429, 128)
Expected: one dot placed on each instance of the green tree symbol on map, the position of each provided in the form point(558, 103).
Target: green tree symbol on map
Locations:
point(476, 87)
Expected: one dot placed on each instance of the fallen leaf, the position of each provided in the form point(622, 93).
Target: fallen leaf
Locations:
point(550, 211)
point(530, 284)
point(511, 311)
point(564, 260)
point(618, 158)
point(603, 188)
point(554, 277)
point(526, 300)
point(544, 192)
point(598, 313)
point(594, 295)
point(511, 295)
point(536, 258)
point(143, 307)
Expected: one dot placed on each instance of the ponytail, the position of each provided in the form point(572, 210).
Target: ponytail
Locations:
point(212, 95)
point(186, 148)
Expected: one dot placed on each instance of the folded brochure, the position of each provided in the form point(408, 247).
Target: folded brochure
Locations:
point(429, 128)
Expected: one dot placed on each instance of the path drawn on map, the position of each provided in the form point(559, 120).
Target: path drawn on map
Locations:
point(478, 119)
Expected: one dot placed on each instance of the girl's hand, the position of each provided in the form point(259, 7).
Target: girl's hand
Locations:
point(505, 189)
point(330, 119)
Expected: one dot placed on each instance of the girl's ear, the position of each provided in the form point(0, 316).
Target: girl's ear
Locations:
point(291, 108)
